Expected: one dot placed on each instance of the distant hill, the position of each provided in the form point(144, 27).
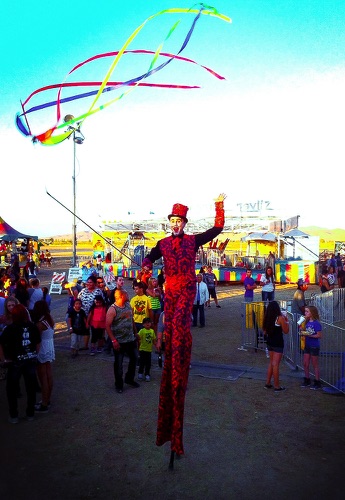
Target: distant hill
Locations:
point(324, 233)
point(81, 236)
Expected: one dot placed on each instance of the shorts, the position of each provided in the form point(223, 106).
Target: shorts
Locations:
point(275, 349)
point(76, 340)
point(212, 292)
point(314, 351)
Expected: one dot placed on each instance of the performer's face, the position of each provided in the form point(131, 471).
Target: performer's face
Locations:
point(177, 225)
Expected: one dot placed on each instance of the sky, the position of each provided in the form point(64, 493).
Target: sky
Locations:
point(271, 135)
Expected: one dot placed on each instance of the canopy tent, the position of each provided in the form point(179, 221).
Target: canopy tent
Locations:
point(8, 233)
point(295, 233)
point(260, 237)
point(295, 248)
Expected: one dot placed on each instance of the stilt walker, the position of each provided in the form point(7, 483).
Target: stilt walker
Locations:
point(178, 252)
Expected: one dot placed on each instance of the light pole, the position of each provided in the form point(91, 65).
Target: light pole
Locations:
point(78, 138)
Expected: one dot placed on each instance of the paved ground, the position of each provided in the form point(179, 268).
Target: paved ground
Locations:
point(241, 440)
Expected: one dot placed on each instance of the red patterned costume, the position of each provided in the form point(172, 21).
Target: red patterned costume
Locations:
point(178, 253)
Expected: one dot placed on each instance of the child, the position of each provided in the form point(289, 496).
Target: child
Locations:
point(147, 338)
point(313, 334)
point(76, 326)
point(96, 320)
point(141, 306)
point(154, 293)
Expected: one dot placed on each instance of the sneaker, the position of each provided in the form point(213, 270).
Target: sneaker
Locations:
point(268, 386)
point(316, 385)
point(119, 391)
point(306, 383)
point(140, 376)
point(147, 378)
point(41, 408)
point(93, 352)
point(218, 306)
point(37, 405)
point(279, 389)
point(30, 418)
point(133, 384)
point(13, 420)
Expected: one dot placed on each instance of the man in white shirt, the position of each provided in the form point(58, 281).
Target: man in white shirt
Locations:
point(201, 297)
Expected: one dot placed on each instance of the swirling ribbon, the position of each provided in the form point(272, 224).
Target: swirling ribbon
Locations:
point(47, 138)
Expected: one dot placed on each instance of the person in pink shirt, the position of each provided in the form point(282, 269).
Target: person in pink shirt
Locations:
point(96, 321)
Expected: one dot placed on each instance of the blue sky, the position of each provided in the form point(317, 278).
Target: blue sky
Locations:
point(272, 131)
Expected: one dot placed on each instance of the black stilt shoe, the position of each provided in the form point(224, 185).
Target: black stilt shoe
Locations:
point(171, 463)
point(172, 458)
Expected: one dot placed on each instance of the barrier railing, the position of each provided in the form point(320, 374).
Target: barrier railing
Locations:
point(331, 305)
point(332, 352)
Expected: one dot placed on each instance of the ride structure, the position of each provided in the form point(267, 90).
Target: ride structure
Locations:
point(246, 242)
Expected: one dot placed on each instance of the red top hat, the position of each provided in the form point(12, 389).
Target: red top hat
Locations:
point(179, 210)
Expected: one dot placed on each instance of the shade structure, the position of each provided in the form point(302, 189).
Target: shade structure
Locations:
point(260, 237)
point(8, 233)
point(295, 233)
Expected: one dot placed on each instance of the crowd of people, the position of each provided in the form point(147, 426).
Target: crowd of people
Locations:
point(27, 346)
point(103, 319)
point(159, 315)
point(26, 334)
point(100, 319)
point(13, 271)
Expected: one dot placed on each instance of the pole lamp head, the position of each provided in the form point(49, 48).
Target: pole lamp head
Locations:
point(68, 118)
point(78, 137)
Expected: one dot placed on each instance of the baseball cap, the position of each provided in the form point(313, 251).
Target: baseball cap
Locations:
point(300, 282)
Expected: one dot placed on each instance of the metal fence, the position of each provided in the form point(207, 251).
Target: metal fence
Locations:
point(331, 305)
point(332, 353)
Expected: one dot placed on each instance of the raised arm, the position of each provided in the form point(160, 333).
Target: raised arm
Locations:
point(219, 221)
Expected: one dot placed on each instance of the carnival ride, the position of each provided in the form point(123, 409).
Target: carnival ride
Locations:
point(246, 241)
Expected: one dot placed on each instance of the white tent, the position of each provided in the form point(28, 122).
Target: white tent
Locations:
point(260, 237)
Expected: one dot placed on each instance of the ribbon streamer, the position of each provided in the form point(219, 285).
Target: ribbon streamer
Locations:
point(49, 137)
point(112, 84)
